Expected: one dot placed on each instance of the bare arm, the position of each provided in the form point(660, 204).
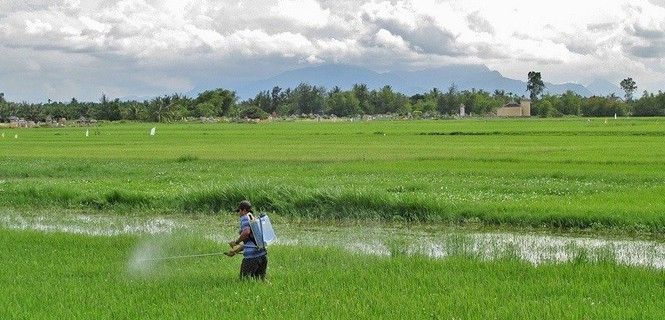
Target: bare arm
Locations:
point(234, 250)
point(244, 235)
point(236, 245)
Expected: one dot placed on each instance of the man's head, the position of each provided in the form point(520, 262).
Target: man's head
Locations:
point(244, 207)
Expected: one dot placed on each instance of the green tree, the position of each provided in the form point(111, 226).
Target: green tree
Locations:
point(650, 105)
point(166, 108)
point(205, 109)
point(503, 98)
point(362, 94)
point(479, 102)
point(449, 102)
point(569, 103)
point(604, 107)
point(629, 86)
point(286, 105)
point(262, 100)
point(77, 110)
point(33, 112)
point(384, 100)
point(535, 85)
point(276, 98)
point(425, 103)
point(4, 108)
point(388, 101)
point(308, 99)
point(222, 100)
point(546, 109)
point(109, 109)
point(343, 104)
point(56, 110)
point(253, 112)
point(133, 110)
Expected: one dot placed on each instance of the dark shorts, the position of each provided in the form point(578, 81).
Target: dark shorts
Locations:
point(254, 267)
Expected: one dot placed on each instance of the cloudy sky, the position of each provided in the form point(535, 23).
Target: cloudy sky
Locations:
point(58, 49)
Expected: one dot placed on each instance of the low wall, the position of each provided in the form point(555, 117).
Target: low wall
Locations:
point(509, 112)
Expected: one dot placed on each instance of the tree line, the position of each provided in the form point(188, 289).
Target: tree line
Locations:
point(304, 99)
point(570, 103)
point(307, 100)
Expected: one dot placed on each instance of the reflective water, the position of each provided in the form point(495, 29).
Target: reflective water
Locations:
point(536, 248)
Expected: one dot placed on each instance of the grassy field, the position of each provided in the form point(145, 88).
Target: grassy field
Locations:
point(566, 174)
point(61, 276)
point(561, 173)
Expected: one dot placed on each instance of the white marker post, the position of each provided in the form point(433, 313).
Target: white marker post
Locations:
point(16, 136)
point(87, 132)
point(153, 131)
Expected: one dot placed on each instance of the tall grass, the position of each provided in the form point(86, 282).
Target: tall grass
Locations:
point(343, 203)
point(568, 174)
point(56, 276)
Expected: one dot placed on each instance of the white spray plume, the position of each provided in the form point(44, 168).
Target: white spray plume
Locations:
point(144, 261)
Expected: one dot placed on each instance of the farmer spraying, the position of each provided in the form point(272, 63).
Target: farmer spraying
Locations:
point(255, 258)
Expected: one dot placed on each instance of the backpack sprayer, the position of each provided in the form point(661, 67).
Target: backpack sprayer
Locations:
point(262, 232)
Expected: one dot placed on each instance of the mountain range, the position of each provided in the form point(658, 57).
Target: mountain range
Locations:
point(464, 77)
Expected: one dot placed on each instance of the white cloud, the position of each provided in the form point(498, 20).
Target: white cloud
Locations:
point(33, 66)
point(400, 13)
point(384, 38)
point(210, 37)
point(94, 25)
point(568, 39)
point(312, 59)
point(338, 48)
point(37, 27)
point(304, 12)
point(479, 24)
point(259, 43)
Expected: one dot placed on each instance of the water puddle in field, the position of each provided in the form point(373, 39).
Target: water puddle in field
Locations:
point(89, 224)
point(536, 248)
point(531, 247)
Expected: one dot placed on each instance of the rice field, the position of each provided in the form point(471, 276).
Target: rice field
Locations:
point(567, 174)
point(452, 219)
point(74, 276)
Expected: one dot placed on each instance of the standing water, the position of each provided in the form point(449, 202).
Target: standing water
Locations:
point(536, 248)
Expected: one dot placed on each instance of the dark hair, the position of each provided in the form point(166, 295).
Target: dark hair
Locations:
point(245, 205)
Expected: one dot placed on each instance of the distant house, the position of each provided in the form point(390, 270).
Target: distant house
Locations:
point(523, 109)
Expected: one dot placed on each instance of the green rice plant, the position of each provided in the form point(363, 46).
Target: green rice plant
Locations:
point(605, 255)
point(55, 276)
point(567, 174)
point(397, 247)
point(186, 158)
point(581, 256)
point(124, 198)
point(459, 245)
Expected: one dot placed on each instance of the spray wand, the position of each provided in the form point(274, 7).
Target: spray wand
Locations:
point(230, 253)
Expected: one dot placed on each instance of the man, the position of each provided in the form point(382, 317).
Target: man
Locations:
point(255, 260)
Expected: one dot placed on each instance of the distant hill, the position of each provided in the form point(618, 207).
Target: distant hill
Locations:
point(343, 76)
point(465, 77)
point(600, 87)
point(561, 88)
